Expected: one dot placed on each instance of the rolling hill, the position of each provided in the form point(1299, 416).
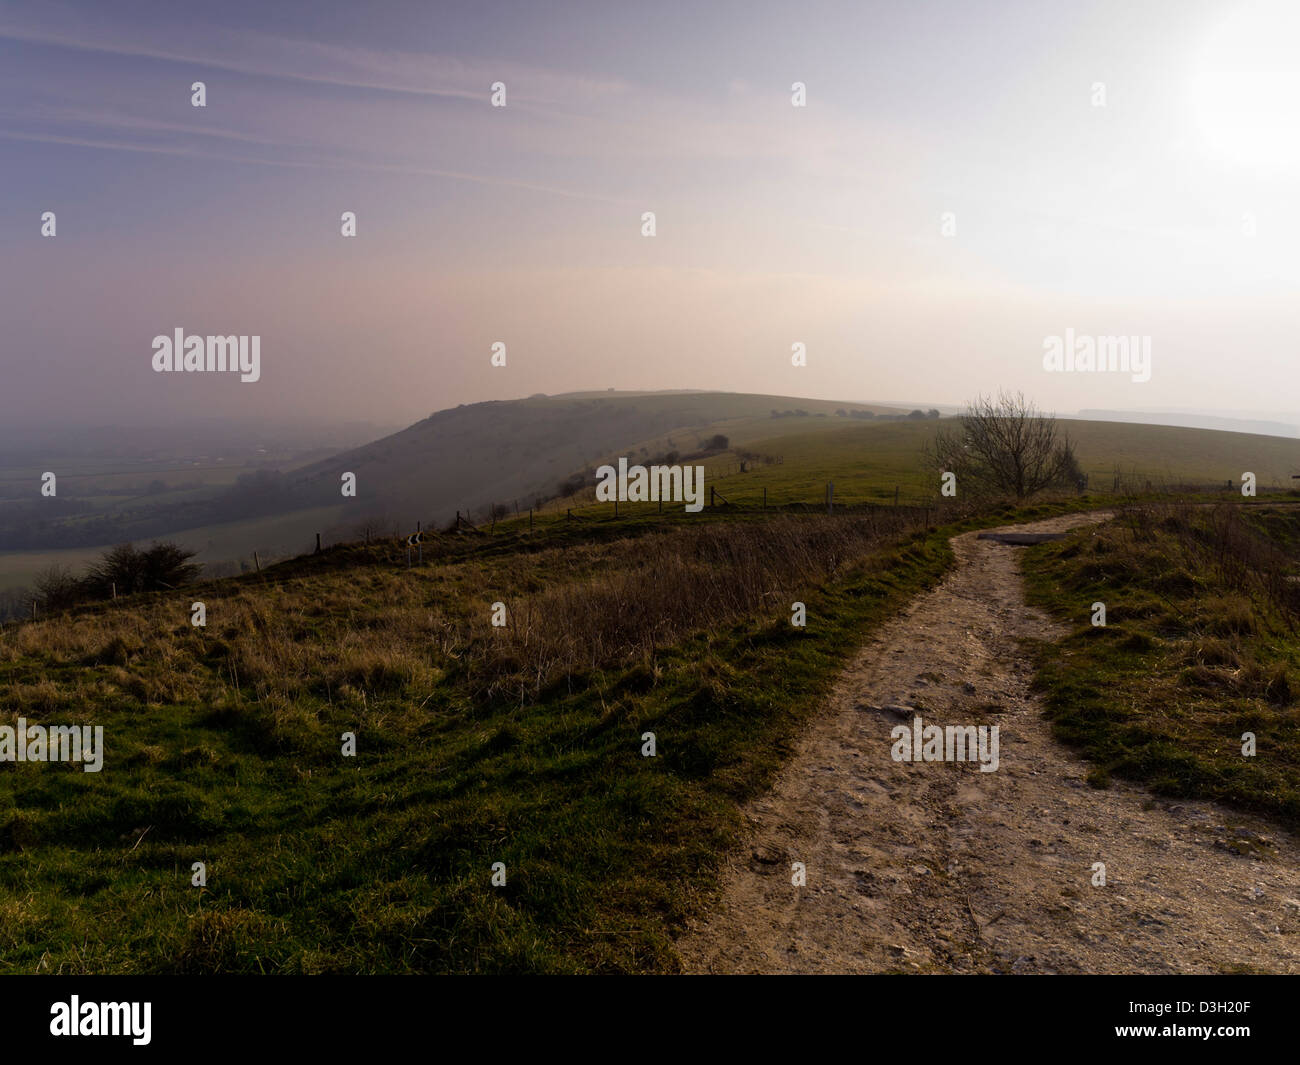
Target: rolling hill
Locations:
point(506, 451)
point(502, 452)
point(514, 452)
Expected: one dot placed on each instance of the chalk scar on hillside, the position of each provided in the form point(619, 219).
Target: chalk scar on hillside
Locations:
point(938, 867)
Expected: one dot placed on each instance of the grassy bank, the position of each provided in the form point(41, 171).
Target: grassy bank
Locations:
point(520, 744)
point(1201, 645)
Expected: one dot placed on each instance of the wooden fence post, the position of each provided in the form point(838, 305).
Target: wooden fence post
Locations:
point(257, 562)
point(830, 496)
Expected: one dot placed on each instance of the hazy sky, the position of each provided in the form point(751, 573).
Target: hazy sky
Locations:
point(1170, 212)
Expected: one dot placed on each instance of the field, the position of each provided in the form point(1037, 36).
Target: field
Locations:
point(867, 460)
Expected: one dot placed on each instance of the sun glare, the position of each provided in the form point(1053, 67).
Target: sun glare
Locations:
point(1245, 86)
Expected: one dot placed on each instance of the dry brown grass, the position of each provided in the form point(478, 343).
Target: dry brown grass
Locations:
point(382, 632)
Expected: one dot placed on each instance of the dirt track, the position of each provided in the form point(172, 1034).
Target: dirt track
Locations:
point(938, 867)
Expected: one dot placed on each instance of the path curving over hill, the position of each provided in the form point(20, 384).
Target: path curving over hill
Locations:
point(938, 867)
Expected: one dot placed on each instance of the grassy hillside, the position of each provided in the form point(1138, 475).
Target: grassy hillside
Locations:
point(520, 744)
point(1168, 455)
point(472, 456)
point(867, 460)
point(513, 452)
point(461, 459)
point(1199, 647)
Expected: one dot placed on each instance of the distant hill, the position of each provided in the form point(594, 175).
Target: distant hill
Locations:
point(1191, 420)
point(516, 451)
point(470, 457)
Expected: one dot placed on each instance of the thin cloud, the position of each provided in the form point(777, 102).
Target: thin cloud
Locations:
point(456, 175)
point(344, 66)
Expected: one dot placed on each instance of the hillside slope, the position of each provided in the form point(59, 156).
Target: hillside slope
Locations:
point(499, 452)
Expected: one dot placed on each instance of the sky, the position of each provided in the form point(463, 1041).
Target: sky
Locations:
point(965, 180)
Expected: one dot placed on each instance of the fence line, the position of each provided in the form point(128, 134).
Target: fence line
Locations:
point(931, 509)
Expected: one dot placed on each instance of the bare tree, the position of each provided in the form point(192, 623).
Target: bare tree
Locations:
point(55, 588)
point(1006, 446)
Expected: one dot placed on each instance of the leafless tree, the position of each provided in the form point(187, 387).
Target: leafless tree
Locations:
point(55, 588)
point(1006, 446)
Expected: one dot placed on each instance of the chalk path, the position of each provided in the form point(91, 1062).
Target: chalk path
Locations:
point(941, 868)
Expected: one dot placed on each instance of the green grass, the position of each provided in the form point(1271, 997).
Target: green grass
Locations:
point(1200, 647)
point(868, 460)
point(223, 747)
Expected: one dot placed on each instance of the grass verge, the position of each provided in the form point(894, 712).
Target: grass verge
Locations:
point(1199, 648)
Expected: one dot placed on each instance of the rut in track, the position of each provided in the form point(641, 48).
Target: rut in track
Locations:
point(938, 867)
